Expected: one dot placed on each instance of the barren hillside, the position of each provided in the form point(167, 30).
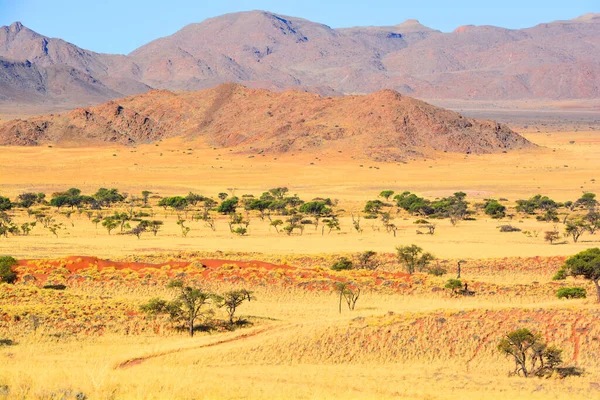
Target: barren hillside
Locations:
point(554, 61)
point(384, 125)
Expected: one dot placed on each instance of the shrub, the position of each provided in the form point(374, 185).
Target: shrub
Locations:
point(437, 271)
point(342, 264)
point(494, 209)
point(6, 272)
point(454, 284)
point(54, 287)
point(571, 293)
point(509, 228)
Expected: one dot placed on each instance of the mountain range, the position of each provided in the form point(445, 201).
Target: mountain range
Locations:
point(555, 61)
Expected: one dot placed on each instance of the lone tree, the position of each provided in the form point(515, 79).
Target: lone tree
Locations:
point(551, 236)
point(6, 272)
point(367, 260)
point(186, 308)
point(585, 264)
point(575, 226)
point(232, 300)
point(386, 194)
point(110, 223)
point(413, 258)
point(532, 356)
point(348, 293)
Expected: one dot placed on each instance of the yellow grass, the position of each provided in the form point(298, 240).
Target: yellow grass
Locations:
point(285, 354)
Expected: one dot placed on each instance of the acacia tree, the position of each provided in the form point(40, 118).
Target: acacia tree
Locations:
point(532, 356)
point(413, 258)
point(386, 194)
point(232, 300)
point(348, 293)
point(145, 195)
point(187, 306)
point(551, 236)
point(367, 260)
point(110, 223)
point(575, 227)
point(585, 264)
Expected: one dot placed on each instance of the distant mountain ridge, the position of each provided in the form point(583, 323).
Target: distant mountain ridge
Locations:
point(384, 125)
point(558, 60)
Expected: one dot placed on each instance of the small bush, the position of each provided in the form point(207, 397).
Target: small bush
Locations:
point(343, 264)
point(454, 284)
point(6, 273)
point(437, 271)
point(240, 230)
point(371, 216)
point(54, 287)
point(509, 228)
point(571, 293)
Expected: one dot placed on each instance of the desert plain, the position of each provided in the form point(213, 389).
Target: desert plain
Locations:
point(407, 338)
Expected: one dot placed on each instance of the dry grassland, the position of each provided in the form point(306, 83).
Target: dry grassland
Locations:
point(422, 344)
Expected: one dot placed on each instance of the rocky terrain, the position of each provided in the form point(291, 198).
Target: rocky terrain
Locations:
point(555, 61)
point(383, 125)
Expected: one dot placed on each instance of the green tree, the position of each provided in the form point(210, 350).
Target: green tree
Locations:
point(571, 293)
point(184, 229)
point(346, 292)
point(110, 223)
point(279, 192)
point(222, 196)
point(140, 228)
point(413, 258)
point(26, 200)
point(531, 355)
point(316, 209)
point(276, 223)
point(575, 226)
point(332, 223)
point(7, 274)
point(367, 260)
point(585, 264)
point(551, 236)
point(342, 264)
point(455, 285)
point(228, 206)
point(145, 195)
point(592, 218)
point(194, 198)
point(587, 200)
point(231, 300)
point(373, 206)
point(186, 308)
point(494, 209)
point(154, 226)
point(386, 194)
point(106, 197)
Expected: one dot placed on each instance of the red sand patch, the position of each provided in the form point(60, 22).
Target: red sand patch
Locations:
point(74, 264)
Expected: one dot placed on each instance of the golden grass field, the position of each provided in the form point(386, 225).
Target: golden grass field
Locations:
point(417, 342)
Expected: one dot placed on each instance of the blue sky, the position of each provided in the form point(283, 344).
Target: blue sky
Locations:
point(120, 26)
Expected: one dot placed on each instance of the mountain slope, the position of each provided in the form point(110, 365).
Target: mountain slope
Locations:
point(554, 61)
point(384, 125)
point(60, 71)
point(473, 62)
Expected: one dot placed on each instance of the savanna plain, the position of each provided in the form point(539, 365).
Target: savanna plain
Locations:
point(305, 275)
